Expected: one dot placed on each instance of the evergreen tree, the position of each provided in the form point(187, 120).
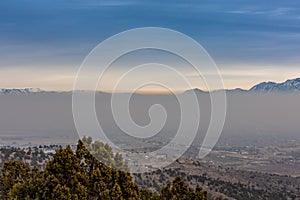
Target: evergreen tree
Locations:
point(80, 176)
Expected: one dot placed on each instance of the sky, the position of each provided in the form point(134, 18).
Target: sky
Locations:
point(43, 42)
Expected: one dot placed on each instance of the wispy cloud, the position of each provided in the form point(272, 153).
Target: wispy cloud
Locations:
point(104, 4)
point(267, 12)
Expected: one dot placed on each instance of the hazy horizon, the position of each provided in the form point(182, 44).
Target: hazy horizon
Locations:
point(50, 114)
point(151, 91)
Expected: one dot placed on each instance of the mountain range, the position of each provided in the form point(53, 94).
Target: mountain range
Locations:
point(21, 91)
point(289, 86)
point(292, 85)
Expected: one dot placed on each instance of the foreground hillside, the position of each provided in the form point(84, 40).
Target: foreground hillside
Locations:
point(225, 182)
point(79, 175)
point(50, 170)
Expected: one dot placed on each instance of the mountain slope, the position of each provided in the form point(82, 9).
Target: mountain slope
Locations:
point(292, 85)
point(289, 86)
point(21, 91)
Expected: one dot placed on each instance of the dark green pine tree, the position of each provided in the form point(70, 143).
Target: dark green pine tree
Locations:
point(14, 174)
point(65, 167)
point(79, 176)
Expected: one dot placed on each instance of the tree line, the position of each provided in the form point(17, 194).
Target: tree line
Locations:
point(80, 175)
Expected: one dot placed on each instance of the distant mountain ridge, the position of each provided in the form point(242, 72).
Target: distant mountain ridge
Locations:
point(289, 86)
point(20, 91)
point(24, 91)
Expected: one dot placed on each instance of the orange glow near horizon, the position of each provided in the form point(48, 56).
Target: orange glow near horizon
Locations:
point(63, 80)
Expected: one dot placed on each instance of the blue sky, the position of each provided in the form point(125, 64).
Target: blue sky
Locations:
point(43, 42)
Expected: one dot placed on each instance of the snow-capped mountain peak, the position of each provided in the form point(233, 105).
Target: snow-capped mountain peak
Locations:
point(291, 85)
point(20, 91)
